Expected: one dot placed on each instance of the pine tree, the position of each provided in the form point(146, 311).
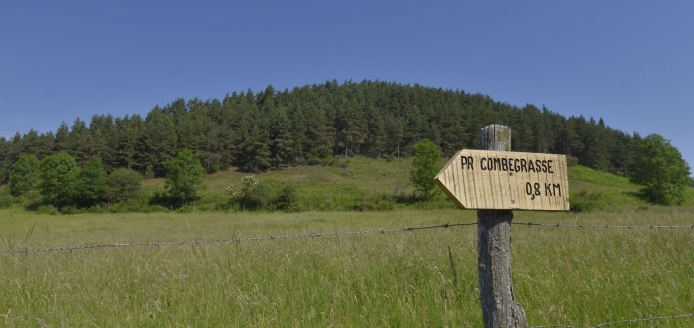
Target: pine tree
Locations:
point(61, 138)
point(351, 127)
point(129, 130)
point(158, 141)
point(281, 143)
point(80, 144)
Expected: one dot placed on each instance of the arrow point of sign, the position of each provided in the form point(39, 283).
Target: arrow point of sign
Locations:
point(446, 180)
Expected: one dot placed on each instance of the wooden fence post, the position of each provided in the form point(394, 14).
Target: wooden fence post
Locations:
point(499, 308)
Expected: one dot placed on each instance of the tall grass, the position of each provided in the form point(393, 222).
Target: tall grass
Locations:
point(568, 276)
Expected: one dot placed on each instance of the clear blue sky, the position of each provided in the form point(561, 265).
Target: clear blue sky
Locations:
point(629, 62)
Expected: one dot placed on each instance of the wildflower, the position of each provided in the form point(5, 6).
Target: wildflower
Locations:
point(184, 275)
point(163, 274)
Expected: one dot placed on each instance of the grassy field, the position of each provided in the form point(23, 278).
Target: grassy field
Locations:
point(358, 184)
point(361, 183)
point(569, 276)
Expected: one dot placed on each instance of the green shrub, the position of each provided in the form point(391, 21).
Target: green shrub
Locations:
point(250, 193)
point(47, 209)
point(6, 200)
point(286, 199)
point(96, 209)
point(123, 184)
point(260, 195)
point(149, 172)
point(68, 210)
point(380, 202)
point(342, 163)
point(584, 202)
point(185, 209)
point(32, 198)
point(314, 161)
point(129, 206)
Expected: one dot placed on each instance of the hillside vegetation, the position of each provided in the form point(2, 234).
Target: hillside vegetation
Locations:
point(362, 183)
point(271, 129)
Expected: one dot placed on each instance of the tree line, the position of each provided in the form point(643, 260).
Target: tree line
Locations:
point(272, 129)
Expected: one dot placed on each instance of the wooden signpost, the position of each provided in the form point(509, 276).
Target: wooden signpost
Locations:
point(496, 181)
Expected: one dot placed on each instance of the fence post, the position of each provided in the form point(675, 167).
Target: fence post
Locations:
point(499, 308)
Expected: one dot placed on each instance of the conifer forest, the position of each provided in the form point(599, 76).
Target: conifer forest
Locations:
point(271, 129)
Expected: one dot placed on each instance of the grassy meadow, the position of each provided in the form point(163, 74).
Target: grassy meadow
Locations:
point(562, 276)
point(569, 276)
point(354, 184)
point(369, 184)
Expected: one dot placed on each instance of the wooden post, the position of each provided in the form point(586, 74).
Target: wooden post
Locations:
point(499, 308)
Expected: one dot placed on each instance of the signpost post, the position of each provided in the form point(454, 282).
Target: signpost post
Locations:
point(495, 181)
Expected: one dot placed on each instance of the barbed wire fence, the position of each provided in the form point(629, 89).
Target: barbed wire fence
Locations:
point(382, 231)
point(618, 322)
point(236, 240)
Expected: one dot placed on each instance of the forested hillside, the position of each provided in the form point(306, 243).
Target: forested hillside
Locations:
point(306, 125)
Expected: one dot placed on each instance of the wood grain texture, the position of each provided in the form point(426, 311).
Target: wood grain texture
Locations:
point(499, 306)
point(482, 179)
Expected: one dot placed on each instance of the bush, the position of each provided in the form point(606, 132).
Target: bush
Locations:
point(69, 210)
point(96, 209)
point(381, 202)
point(149, 172)
point(260, 195)
point(32, 198)
point(185, 209)
point(135, 206)
point(250, 192)
point(342, 163)
point(286, 199)
point(47, 209)
point(123, 184)
point(314, 161)
point(584, 202)
point(6, 200)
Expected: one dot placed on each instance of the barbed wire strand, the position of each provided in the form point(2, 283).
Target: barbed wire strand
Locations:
point(618, 322)
point(601, 226)
point(237, 239)
point(71, 248)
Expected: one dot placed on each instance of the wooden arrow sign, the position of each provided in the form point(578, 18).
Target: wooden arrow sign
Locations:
point(485, 179)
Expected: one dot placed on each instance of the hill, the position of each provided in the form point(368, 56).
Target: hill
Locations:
point(270, 129)
point(361, 183)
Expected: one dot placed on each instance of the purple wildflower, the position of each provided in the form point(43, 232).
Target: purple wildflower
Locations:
point(163, 274)
point(184, 275)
